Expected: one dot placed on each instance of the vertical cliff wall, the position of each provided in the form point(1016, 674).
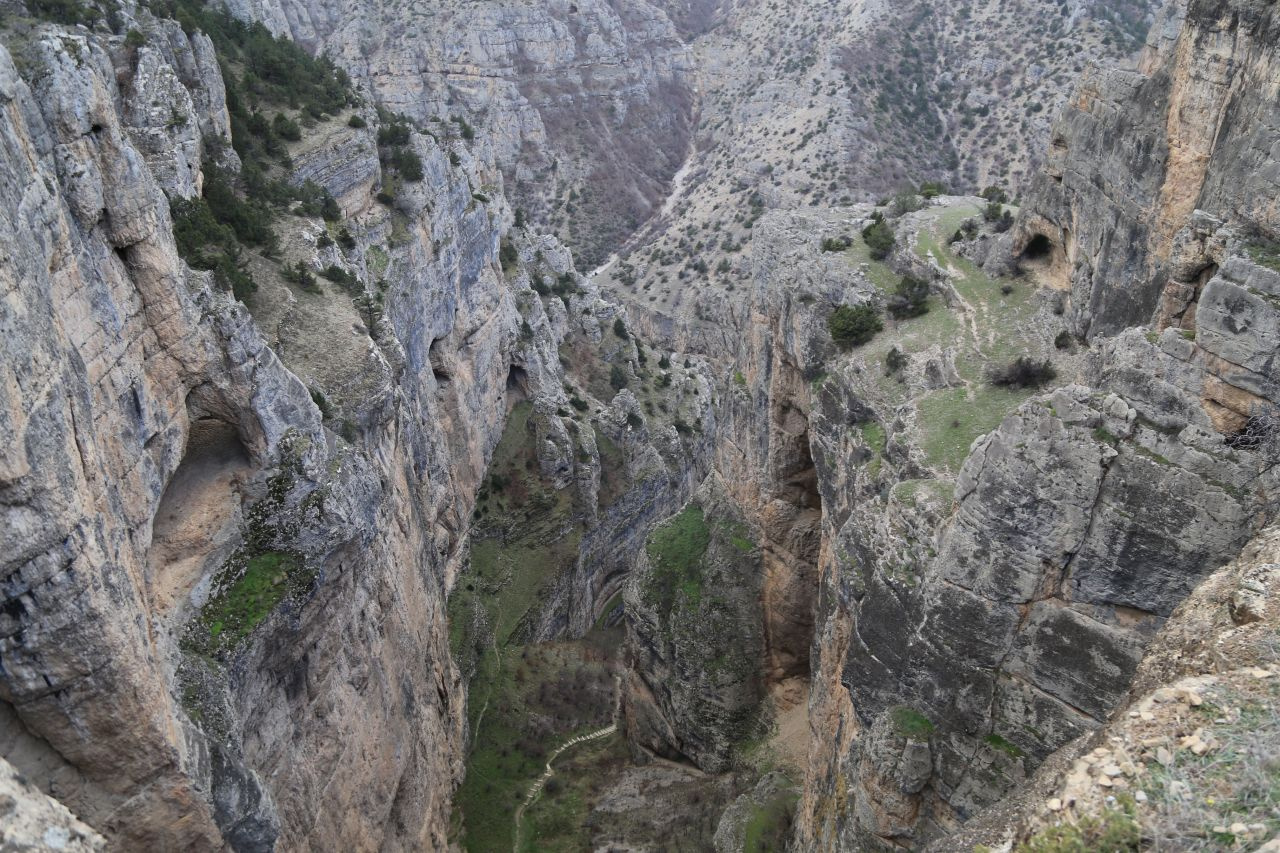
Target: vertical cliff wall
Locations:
point(588, 106)
point(1137, 152)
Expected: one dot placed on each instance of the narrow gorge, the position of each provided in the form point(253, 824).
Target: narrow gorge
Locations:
point(903, 475)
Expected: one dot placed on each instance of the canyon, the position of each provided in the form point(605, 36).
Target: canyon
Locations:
point(905, 466)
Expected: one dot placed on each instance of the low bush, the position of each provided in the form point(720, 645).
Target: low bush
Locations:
point(879, 238)
point(894, 361)
point(617, 378)
point(1023, 372)
point(852, 326)
point(910, 298)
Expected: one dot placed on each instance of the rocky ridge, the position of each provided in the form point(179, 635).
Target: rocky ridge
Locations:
point(820, 104)
point(259, 510)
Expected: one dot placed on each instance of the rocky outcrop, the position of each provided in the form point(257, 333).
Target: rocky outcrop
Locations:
point(1138, 152)
point(818, 104)
point(33, 821)
point(586, 106)
point(1162, 753)
point(191, 545)
point(694, 623)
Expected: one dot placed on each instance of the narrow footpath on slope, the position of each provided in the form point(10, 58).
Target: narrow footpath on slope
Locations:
point(535, 789)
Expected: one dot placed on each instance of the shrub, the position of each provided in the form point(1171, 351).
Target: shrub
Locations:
point(64, 11)
point(879, 238)
point(322, 402)
point(407, 162)
point(852, 326)
point(836, 244)
point(1114, 830)
point(620, 328)
point(894, 361)
point(995, 194)
point(276, 70)
point(507, 255)
point(932, 189)
point(910, 298)
point(346, 280)
point(356, 121)
point(1023, 372)
point(345, 240)
point(286, 128)
point(905, 202)
point(302, 276)
point(617, 378)
point(230, 276)
point(134, 39)
point(395, 133)
point(991, 213)
point(1063, 340)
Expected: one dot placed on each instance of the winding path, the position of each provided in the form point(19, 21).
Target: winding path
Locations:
point(538, 784)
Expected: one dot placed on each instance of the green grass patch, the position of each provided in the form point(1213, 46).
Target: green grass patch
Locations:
point(235, 610)
point(994, 741)
point(951, 418)
point(523, 700)
point(877, 272)
point(873, 435)
point(738, 534)
point(911, 724)
point(1112, 831)
point(1265, 253)
point(769, 826)
point(521, 709)
point(676, 549)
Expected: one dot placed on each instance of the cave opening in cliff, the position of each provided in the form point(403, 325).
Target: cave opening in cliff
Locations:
point(435, 355)
point(1038, 248)
point(791, 555)
point(1046, 260)
point(517, 385)
point(199, 510)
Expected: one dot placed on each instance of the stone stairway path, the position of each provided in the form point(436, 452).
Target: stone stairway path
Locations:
point(538, 784)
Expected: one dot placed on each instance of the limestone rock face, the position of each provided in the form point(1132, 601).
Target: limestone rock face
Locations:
point(695, 631)
point(817, 103)
point(34, 821)
point(158, 443)
point(171, 447)
point(1137, 152)
point(1207, 652)
point(587, 103)
point(962, 602)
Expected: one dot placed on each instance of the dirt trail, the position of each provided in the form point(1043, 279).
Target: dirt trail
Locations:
point(536, 788)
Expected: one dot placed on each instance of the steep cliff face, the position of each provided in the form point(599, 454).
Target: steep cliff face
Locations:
point(244, 566)
point(587, 106)
point(1186, 755)
point(822, 104)
point(959, 580)
point(1137, 152)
